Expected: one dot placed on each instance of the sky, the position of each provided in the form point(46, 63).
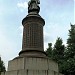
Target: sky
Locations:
point(58, 14)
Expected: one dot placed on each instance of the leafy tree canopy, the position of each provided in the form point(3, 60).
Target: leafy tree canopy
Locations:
point(58, 50)
point(70, 52)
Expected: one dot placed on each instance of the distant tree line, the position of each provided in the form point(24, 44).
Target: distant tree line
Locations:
point(64, 55)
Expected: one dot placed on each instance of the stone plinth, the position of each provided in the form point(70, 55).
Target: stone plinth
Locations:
point(32, 66)
point(31, 72)
point(32, 63)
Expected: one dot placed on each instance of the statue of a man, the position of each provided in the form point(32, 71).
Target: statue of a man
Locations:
point(33, 5)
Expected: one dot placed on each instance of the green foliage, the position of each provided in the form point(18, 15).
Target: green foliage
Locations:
point(49, 50)
point(58, 50)
point(58, 53)
point(71, 42)
point(70, 52)
point(2, 67)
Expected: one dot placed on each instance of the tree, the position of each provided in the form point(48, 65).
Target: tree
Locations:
point(71, 42)
point(70, 52)
point(58, 53)
point(58, 50)
point(49, 50)
point(2, 67)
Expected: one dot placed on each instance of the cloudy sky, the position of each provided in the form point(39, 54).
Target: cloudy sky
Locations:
point(57, 14)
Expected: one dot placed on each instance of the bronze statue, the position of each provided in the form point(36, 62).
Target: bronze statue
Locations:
point(33, 5)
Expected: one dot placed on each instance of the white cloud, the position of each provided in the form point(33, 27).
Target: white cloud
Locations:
point(22, 5)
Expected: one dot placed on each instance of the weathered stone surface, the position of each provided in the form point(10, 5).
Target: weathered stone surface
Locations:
point(32, 66)
point(16, 64)
point(3, 73)
point(52, 65)
point(22, 72)
point(32, 72)
point(11, 73)
point(32, 63)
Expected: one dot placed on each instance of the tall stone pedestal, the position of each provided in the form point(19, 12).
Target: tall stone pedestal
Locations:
point(32, 66)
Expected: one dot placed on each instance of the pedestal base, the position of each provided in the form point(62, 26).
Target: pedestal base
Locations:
point(31, 72)
point(32, 66)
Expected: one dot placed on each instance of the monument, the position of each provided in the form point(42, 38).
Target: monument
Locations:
point(32, 59)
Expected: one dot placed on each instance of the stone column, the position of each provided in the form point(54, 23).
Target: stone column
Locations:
point(33, 35)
